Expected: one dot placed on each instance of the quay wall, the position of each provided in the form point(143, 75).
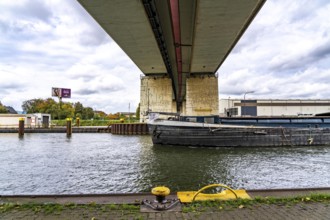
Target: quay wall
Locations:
point(56, 130)
point(125, 129)
point(130, 129)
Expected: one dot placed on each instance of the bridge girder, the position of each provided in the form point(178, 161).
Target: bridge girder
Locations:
point(172, 37)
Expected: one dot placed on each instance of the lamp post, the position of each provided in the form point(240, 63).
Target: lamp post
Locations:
point(129, 112)
point(228, 102)
point(248, 92)
point(228, 112)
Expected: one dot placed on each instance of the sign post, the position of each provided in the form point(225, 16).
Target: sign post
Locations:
point(61, 93)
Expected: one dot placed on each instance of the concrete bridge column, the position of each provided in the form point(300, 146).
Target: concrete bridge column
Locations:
point(202, 96)
point(156, 94)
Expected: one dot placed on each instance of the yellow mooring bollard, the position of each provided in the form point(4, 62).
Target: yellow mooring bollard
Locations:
point(77, 121)
point(68, 127)
point(160, 192)
point(161, 203)
point(21, 127)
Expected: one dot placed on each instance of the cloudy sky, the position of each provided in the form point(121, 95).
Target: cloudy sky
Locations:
point(55, 43)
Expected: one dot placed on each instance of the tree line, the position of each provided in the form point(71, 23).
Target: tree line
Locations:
point(58, 110)
point(61, 110)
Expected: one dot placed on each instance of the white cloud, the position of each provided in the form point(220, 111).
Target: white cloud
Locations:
point(283, 54)
point(55, 43)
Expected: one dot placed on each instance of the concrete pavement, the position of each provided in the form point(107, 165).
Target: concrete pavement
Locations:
point(103, 207)
point(301, 211)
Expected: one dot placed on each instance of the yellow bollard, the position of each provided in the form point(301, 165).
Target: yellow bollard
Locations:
point(68, 127)
point(160, 192)
point(78, 121)
point(21, 127)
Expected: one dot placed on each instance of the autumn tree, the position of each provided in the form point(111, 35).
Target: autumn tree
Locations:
point(66, 111)
point(59, 110)
point(113, 116)
point(48, 106)
point(78, 109)
point(53, 108)
point(32, 105)
point(88, 113)
point(99, 115)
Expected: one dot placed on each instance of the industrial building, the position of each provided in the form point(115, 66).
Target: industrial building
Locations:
point(36, 120)
point(273, 107)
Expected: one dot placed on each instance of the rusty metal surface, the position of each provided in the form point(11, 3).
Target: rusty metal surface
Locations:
point(130, 129)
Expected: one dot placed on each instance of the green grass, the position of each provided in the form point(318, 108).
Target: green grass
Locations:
point(55, 208)
point(201, 206)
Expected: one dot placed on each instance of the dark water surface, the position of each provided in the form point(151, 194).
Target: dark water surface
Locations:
point(105, 163)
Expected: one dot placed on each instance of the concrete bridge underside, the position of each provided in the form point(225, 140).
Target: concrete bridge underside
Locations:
point(178, 45)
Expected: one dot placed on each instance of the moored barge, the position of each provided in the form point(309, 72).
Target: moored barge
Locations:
point(214, 131)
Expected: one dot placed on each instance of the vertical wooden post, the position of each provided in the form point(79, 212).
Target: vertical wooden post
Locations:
point(78, 121)
point(68, 127)
point(21, 127)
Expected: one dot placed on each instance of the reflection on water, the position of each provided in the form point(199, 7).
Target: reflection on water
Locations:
point(184, 168)
point(105, 163)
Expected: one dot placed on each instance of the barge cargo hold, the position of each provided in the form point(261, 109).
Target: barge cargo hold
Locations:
point(248, 133)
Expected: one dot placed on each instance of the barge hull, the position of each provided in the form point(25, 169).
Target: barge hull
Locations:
point(237, 136)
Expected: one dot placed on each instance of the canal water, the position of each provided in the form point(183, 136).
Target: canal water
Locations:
point(105, 163)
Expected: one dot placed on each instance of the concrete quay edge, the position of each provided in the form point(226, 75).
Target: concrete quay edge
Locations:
point(137, 198)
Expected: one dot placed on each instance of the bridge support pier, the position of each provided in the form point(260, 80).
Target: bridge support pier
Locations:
point(156, 95)
point(202, 97)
